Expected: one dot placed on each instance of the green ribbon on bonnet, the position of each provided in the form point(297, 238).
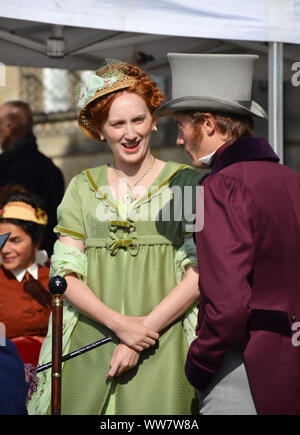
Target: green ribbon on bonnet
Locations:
point(93, 84)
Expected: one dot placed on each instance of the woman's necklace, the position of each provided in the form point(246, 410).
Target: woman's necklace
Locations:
point(129, 198)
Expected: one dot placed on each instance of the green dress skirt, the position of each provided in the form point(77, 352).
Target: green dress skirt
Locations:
point(130, 255)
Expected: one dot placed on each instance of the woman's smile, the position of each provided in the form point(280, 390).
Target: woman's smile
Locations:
point(8, 259)
point(128, 128)
point(131, 147)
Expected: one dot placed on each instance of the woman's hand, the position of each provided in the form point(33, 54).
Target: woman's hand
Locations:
point(132, 332)
point(124, 358)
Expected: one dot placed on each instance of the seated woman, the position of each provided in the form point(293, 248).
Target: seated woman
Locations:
point(25, 302)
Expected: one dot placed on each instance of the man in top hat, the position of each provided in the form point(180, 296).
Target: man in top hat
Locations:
point(245, 358)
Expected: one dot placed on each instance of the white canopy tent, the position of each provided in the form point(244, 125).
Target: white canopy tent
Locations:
point(259, 20)
point(73, 34)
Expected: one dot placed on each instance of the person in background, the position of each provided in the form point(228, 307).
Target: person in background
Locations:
point(244, 359)
point(25, 302)
point(127, 255)
point(22, 163)
point(13, 386)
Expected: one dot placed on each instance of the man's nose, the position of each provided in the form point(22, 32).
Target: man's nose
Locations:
point(179, 139)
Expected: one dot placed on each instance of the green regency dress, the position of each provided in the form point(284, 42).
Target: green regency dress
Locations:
point(130, 263)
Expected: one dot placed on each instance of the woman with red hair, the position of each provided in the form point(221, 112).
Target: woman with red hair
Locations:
point(126, 252)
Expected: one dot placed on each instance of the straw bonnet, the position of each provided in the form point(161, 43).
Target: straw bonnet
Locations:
point(212, 82)
point(109, 78)
point(23, 211)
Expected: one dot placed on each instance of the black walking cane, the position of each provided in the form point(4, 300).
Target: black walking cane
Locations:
point(57, 286)
point(76, 353)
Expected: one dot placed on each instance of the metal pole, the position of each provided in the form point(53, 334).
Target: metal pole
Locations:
point(275, 98)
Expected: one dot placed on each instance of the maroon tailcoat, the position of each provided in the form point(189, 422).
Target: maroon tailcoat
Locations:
point(249, 274)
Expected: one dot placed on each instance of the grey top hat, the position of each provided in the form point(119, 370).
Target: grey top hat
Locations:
point(212, 82)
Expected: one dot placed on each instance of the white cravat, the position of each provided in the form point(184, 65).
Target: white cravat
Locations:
point(207, 159)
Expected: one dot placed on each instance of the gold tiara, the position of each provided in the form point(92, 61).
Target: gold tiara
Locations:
point(22, 210)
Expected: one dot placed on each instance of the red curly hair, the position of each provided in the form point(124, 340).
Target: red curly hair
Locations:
point(144, 87)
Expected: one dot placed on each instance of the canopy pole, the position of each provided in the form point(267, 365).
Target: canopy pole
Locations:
point(275, 97)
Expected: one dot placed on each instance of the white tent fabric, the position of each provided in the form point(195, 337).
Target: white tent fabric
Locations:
point(252, 20)
point(77, 34)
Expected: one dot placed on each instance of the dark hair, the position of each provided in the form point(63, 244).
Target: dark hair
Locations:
point(10, 189)
point(34, 230)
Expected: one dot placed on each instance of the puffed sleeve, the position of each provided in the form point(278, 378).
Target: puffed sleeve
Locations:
point(70, 213)
point(68, 259)
point(226, 244)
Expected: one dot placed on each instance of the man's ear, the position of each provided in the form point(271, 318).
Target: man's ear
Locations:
point(209, 124)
